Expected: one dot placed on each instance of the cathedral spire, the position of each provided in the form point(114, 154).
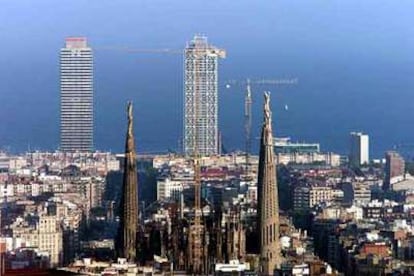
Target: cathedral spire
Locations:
point(130, 146)
point(268, 202)
point(127, 234)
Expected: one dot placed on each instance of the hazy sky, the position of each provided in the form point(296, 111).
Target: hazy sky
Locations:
point(354, 61)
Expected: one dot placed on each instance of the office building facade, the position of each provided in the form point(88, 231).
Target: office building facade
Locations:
point(394, 169)
point(359, 150)
point(201, 134)
point(76, 96)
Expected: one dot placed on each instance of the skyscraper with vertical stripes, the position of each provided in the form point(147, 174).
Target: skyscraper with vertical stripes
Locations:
point(76, 96)
point(201, 97)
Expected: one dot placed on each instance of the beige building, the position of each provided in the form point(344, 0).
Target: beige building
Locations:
point(308, 197)
point(46, 236)
point(53, 233)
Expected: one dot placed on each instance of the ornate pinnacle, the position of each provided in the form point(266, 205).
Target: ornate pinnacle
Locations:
point(130, 134)
point(130, 119)
point(267, 122)
point(249, 93)
point(127, 235)
point(268, 203)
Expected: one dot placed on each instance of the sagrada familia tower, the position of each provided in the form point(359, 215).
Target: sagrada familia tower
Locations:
point(127, 234)
point(268, 202)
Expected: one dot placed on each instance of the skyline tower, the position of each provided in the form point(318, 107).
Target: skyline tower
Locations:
point(127, 234)
point(201, 89)
point(359, 152)
point(76, 96)
point(268, 201)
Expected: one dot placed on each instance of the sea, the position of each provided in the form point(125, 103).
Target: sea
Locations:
point(351, 64)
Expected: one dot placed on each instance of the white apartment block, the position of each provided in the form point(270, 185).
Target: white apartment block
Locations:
point(330, 159)
point(167, 188)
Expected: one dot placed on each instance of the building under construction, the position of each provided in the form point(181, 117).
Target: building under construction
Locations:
point(201, 90)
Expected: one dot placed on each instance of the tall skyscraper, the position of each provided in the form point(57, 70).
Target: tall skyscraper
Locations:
point(127, 234)
point(268, 201)
point(76, 96)
point(201, 97)
point(359, 151)
point(394, 169)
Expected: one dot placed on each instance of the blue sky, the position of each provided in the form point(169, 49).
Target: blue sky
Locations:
point(354, 60)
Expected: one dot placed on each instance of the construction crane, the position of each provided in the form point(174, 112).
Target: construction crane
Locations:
point(248, 106)
point(220, 52)
point(263, 81)
point(197, 229)
point(142, 50)
point(248, 122)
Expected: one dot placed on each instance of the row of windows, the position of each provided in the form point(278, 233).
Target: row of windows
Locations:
point(81, 113)
point(74, 65)
point(85, 70)
point(81, 109)
point(68, 90)
point(88, 63)
point(79, 128)
point(76, 76)
point(86, 113)
point(80, 81)
point(75, 101)
point(82, 128)
point(87, 99)
point(71, 68)
point(70, 57)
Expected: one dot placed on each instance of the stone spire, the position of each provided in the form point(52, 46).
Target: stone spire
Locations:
point(268, 202)
point(127, 234)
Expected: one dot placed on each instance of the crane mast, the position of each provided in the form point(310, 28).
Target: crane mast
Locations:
point(248, 122)
point(197, 254)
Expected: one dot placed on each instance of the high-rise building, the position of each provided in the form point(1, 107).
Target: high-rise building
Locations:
point(359, 151)
point(268, 201)
point(76, 96)
point(201, 97)
point(127, 234)
point(394, 169)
